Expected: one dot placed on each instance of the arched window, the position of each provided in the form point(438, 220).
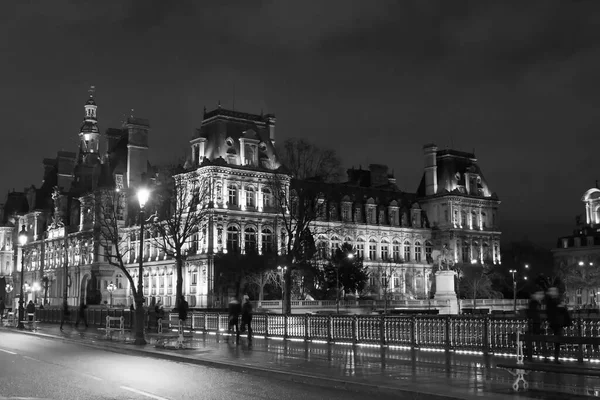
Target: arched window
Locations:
point(233, 239)
point(372, 249)
point(385, 250)
point(119, 281)
point(335, 244)
point(406, 251)
point(250, 240)
point(428, 251)
point(360, 247)
point(396, 250)
point(267, 198)
point(474, 222)
point(465, 252)
point(250, 197)
point(267, 241)
point(418, 251)
point(463, 220)
point(233, 195)
point(322, 247)
point(483, 220)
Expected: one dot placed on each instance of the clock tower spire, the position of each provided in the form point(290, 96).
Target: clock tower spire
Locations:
point(89, 134)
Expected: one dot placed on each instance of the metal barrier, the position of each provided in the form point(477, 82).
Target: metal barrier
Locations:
point(121, 327)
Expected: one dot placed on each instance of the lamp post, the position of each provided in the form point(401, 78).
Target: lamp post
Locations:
point(282, 272)
point(513, 272)
point(111, 288)
point(22, 242)
point(143, 194)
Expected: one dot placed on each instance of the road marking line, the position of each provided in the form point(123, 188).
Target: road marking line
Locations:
point(9, 352)
point(143, 393)
point(31, 358)
point(90, 376)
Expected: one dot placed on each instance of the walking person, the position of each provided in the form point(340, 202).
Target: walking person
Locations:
point(81, 314)
point(534, 323)
point(246, 320)
point(558, 317)
point(234, 310)
point(182, 308)
point(66, 316)
point(30, 310)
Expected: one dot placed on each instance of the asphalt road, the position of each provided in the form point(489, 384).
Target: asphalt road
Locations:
point(39, 368)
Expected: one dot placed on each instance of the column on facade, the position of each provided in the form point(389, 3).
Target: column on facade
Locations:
point(259, 198)
point(259, 237)
point(588, 213)
point(414, 280)
point(426, 282)
point(242, 236)
point(242, 196)
point(403, 276)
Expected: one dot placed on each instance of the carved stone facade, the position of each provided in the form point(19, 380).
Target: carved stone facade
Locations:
point(401, 236)
point(581, 250)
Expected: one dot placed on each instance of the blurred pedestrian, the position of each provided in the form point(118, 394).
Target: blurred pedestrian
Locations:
point(182, 308)
point(82, 314)
point(2, 307)
point(558, 317)
point(30, 310)
point(234, 310)
point(534, 322)
point(246, 320)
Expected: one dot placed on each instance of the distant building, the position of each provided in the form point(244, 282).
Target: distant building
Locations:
point(451, 218)
point(579, 253)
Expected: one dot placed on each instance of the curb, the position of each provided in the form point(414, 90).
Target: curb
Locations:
point(315, 380)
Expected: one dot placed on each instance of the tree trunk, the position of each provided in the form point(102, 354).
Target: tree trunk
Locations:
point(288, 291)
point(139, 320)
point(474, 297)
point(179, 287)
point(261, 290)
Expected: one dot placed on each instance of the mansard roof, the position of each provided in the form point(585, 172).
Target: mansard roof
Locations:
point(452, 165)
point(224, 128)
point(341, 192)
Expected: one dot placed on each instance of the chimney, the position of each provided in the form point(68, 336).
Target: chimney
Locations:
point(379, 174)
point(137, 150)
point(271, 125)
point(431, 185)
point(65, 166)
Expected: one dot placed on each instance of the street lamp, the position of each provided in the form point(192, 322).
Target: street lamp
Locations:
point(143, 194)
point(282, 272)
point(513, 272)
point(111, 288)
point(22, 242)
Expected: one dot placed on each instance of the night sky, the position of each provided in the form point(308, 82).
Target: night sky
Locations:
point(515, 81)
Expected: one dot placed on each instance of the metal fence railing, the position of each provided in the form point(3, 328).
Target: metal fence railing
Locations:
point(489, 335)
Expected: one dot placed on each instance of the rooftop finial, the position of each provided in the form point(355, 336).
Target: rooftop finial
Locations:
point(132, 113)
point(219, 104)
point(92, 90)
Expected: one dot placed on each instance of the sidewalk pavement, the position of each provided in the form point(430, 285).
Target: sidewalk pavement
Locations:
point(423, 374)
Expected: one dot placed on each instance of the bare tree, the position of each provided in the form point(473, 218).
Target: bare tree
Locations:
point(475, 280)
point(299, 203)
point(580, 275)
point(260, 279)
point(110, 206)
point(305, 160)
point(182, 204)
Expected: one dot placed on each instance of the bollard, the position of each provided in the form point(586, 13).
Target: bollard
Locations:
point(159, 328)
point(180, 336)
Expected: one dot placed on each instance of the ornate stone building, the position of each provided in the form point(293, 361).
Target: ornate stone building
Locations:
point(579, 253)
point(451, 218)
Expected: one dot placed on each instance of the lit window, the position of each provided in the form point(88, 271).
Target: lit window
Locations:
point(233, 196)
point(418, 251)
point(406, 251)
point(250, 197)
point(233, 239)
point(250, 240)
point(267, 241)
point(372, 250)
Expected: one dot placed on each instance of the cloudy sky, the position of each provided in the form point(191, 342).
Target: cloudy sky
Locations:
point(514, 80)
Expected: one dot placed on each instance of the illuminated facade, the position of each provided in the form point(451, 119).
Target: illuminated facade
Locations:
point(580, 253)
point(452, 216)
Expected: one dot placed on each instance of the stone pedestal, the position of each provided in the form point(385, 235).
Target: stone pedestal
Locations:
point(444, 291)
